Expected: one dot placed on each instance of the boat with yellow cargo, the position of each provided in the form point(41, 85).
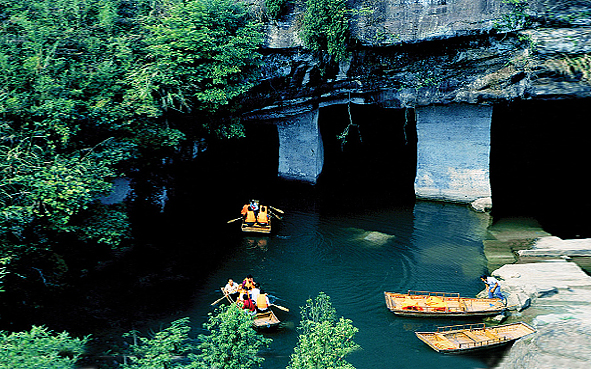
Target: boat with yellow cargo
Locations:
point(470, 337)
point(441, 304)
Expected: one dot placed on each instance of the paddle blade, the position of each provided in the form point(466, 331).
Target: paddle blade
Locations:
point(277, 210)
point(281, 308)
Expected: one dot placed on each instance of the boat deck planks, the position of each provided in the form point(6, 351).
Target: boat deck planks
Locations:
point(469, 337)
point(256, 228)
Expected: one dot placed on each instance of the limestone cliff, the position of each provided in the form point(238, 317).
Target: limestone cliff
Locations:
point(408, 53)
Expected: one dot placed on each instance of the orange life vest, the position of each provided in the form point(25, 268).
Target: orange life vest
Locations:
point(246, 284)
point(262, 217)
point(250, 218)
point(262, 301)
point(244, 210)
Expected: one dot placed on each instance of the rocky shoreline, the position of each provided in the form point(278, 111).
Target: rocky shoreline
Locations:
point(545, 283)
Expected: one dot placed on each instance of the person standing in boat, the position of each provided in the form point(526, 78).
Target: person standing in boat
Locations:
point(231, 289)
point(248, 283)
point(254, 206)
point(493, 287)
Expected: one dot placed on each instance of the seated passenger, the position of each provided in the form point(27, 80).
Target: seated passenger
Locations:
point(262, 302)
point(250, 219)
point(247, 303)
point(263, 217)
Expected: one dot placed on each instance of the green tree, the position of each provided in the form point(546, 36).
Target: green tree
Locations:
point(162, 351)
point(199, 55)
point(325, 27)
point(89, 89)
point(232, 343)
point(276, 8)
point(324, 340)
point(40, 348)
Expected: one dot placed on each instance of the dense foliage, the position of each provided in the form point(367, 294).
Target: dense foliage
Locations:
point(516, 18)
point(162, 351)
point(87, 91)
point(276, 8)
point(232, 343)
point(325, 27)
point(39, 348)
point(324, 340)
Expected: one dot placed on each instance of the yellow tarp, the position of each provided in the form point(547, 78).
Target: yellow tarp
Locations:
point(408, 302)
point(435, 302)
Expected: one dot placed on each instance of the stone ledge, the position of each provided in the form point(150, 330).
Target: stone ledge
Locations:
point(553, 246)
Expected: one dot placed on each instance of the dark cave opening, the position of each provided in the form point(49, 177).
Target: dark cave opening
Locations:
point(375, 162)
point(538, 162)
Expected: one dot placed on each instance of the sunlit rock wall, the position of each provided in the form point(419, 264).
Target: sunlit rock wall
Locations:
point(396, 21)
point(453, 152)
point(301, 152)
point(390, 22)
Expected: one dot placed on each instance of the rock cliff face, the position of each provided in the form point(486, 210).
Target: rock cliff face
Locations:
point(423, 52)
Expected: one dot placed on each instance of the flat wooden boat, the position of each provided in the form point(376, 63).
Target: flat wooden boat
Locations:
point(441, 304)
point(265, 320)
point(256, 227)
point(470, 337)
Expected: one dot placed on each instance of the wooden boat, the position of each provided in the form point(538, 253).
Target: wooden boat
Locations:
point(258, 227)
point(441, 304)
point(470, 337)
point(265, 320)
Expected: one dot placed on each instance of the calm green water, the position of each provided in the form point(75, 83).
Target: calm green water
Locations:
point(353, 258)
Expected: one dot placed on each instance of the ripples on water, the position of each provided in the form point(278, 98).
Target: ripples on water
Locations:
point(354, 258)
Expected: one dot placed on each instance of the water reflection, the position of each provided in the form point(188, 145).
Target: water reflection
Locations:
point(354, 257)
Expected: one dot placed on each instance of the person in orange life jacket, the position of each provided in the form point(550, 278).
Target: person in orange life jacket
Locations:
point(248, 283)
point(263, 217)
point(244, 210)
point(262, 301)
point(250, 218)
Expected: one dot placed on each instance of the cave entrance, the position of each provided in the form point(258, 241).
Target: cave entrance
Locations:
point(369, 154)
point(539, 157)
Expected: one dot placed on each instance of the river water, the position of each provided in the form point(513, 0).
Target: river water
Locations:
point(354, 257)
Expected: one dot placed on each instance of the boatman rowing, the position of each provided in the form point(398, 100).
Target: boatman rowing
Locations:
point(231, 289)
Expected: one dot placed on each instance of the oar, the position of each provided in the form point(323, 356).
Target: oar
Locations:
point(281, 307)
point(277, 210)
point(276, 216)
point(220, 299)
point(233, 220)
